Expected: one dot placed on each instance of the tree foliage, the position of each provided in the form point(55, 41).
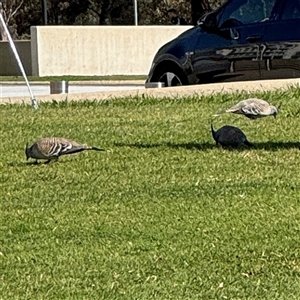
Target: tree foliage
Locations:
point(19, 15)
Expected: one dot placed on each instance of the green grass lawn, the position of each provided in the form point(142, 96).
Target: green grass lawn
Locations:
point(164, 214)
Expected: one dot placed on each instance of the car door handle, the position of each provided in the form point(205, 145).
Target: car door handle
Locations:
point(253, 38)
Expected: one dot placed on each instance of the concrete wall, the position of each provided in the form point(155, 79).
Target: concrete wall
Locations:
point(8, 62)
point(97, 50)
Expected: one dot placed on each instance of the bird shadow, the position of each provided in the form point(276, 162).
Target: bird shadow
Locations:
point(269, 146)
point(275, 146)
point(31, 163)
point(22, 164)
point(189, 145)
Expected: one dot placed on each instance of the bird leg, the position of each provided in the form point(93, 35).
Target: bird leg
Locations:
point(49, 160)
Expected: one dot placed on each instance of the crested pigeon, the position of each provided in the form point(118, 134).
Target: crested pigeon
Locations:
point(230, 136)
point(253, 108)
point(52, 147)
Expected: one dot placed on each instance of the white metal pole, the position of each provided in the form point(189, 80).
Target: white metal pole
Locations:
point(13, 47)
point(136, 22)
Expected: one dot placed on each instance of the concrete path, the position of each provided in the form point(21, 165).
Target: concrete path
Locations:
point(180, 91)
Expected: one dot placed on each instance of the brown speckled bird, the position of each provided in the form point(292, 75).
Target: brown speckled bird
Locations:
point(52, 147)
point(230, 136)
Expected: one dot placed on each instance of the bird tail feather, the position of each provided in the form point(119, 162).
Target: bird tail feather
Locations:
point(96, 149)
point(217, 114)
point(213, 131)
point(73, 150)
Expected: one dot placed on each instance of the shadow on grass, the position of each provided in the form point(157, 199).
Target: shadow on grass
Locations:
point(270, 146)
point(189, 146)
point(32, 163)
point(274, 146)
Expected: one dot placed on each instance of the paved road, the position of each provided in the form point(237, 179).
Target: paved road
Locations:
point(38, 89)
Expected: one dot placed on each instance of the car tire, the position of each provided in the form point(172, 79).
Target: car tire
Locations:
point(170, 77)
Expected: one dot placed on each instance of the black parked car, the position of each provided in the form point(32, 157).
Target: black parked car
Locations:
point(242, 40)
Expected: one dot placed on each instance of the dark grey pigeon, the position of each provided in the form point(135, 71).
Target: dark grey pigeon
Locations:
point(230, 136)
